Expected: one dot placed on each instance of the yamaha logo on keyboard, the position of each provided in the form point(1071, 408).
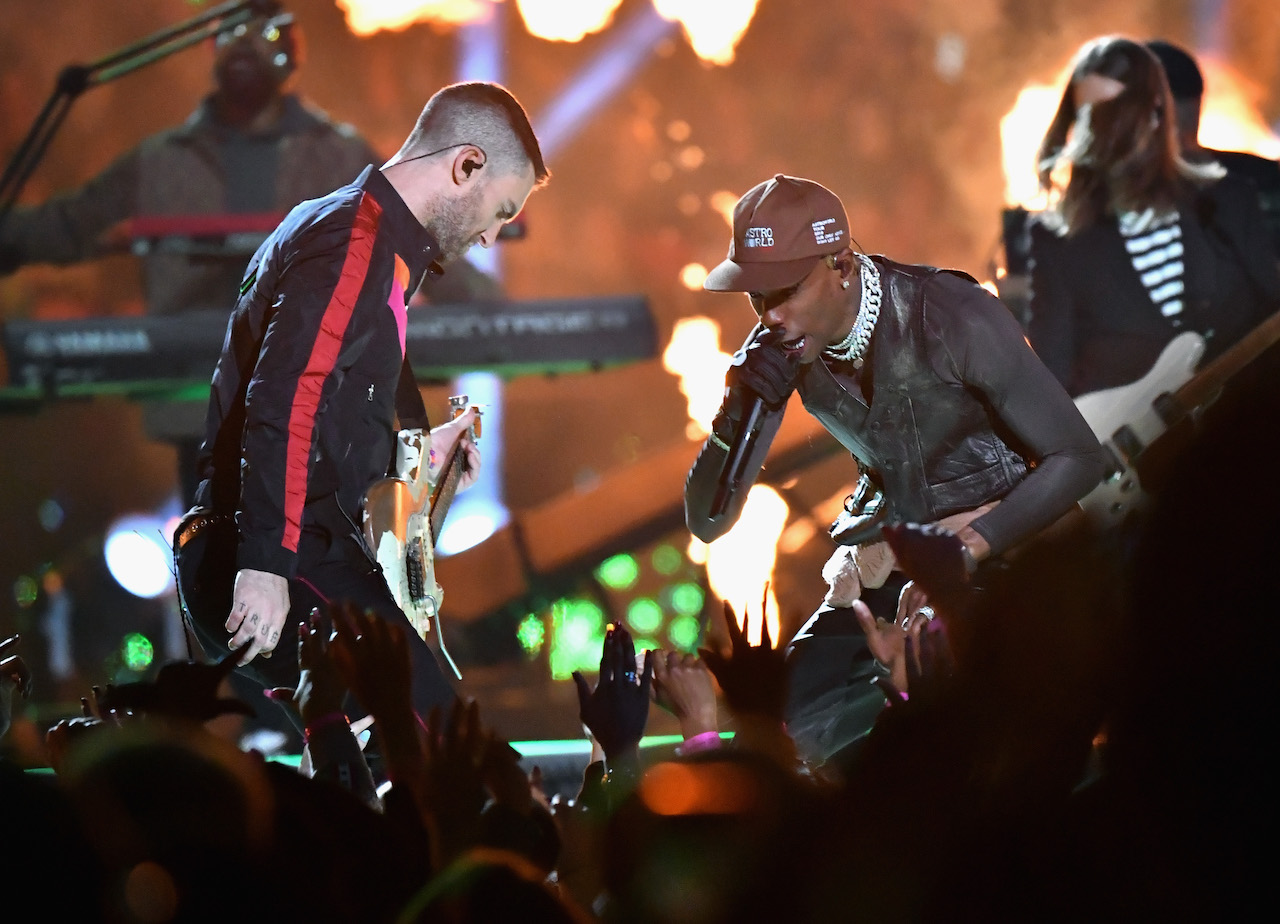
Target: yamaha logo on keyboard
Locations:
point(87, 343)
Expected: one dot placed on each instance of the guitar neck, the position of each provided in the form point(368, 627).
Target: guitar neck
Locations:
point(1209, 381)
point(446, 490)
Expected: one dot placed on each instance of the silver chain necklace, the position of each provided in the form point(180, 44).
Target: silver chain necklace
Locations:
point(853, 346)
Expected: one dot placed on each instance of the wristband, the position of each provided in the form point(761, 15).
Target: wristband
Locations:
point(706, 741)
point(329, 718)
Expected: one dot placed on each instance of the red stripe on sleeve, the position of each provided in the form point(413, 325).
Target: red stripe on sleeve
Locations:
point(324, 354)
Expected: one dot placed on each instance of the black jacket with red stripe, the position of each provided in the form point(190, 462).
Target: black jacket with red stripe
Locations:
point(302, 408)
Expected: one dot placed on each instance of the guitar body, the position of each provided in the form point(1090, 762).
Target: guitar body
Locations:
point(1126, 420)
point(402, 518)
point(397, 528)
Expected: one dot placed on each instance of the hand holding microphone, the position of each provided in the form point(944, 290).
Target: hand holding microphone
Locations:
point(761, 378)
point(762, 371)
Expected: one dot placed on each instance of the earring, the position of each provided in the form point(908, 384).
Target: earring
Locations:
point(844, 284)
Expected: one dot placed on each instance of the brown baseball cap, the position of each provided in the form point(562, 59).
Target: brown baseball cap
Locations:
point(780, 229)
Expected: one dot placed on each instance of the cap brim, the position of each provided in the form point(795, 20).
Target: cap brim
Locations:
point(758, 277)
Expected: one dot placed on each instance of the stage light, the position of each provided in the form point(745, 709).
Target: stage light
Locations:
point(25, 590)
point(577, 636)
point(688, 598)
point(461, 533)
point(666, 559)
point(50, 515)
point(618, 572)
point(138, 556)
point(684, 632)
point(531, 633)
point(644, 616)
point(137, 652)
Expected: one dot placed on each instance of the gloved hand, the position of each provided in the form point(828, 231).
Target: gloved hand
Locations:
point(761, 369)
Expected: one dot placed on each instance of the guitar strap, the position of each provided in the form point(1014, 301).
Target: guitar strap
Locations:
point(409, 407)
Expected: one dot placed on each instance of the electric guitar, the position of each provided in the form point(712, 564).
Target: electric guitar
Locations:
point(403, 517)
point(1130, 419)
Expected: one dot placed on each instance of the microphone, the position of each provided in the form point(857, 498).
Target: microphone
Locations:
point(744, 441)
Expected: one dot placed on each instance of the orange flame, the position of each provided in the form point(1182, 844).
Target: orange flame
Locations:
point(1020, 132)
point(740, 562)
point(713, 29)
point(694, 355)
point(1229, 116)
point(564, 21)
point(365, 17)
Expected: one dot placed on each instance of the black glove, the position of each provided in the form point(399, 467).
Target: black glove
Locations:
point(761, 369)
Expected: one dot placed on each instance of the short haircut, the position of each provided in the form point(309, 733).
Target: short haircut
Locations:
point(1180, 68)
point(483, 114)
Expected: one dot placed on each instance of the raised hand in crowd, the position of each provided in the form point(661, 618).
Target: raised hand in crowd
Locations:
point(888, 644)
point(371, 657)
point(617, 710)
point(332, 751)
point(460, 755)
point(683, 686)
point(933, 556)
point(754, 681)
point(580, 822)
point(15, 677)
point(753, 677)
point(182, 690)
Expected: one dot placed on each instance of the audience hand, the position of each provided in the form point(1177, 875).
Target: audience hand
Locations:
point(320, 689)
point(931, 555)
point(371, 657)
point(454, 790)
point(683, 686)
point(887, 642)
point(68, 734)
point(14, 676)
point(753, 677)
point(930, 660)
point(181, 690)
point(617, 710)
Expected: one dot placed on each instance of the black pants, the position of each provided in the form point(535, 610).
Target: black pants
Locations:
point(832, 703)
point(206, 574)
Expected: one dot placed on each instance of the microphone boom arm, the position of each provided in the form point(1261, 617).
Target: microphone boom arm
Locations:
point(76, 78)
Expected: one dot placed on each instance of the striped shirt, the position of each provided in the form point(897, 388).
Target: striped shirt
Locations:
point(1154, 243)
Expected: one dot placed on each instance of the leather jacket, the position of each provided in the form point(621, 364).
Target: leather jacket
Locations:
point(961, 413)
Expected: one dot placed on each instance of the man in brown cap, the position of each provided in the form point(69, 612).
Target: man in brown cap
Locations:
point(926, 378)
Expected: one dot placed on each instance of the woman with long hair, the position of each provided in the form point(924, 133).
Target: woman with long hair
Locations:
point(1136, 244)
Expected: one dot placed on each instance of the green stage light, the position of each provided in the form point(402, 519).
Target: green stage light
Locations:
point(25, 591)
point(687, 598)
point(577, 636)
point(618, 572)
point(683, 632)
point(644, 615)
point(647, 644)
point(667, 559)
point(531, 633)
point(136, 652)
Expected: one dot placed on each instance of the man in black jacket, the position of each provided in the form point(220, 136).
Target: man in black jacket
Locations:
point(312, 378)
point(924, 377)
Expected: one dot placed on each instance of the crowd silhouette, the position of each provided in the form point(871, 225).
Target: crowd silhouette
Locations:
point(1082, 733)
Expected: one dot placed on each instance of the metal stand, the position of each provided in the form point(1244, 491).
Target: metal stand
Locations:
point(77, 78)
